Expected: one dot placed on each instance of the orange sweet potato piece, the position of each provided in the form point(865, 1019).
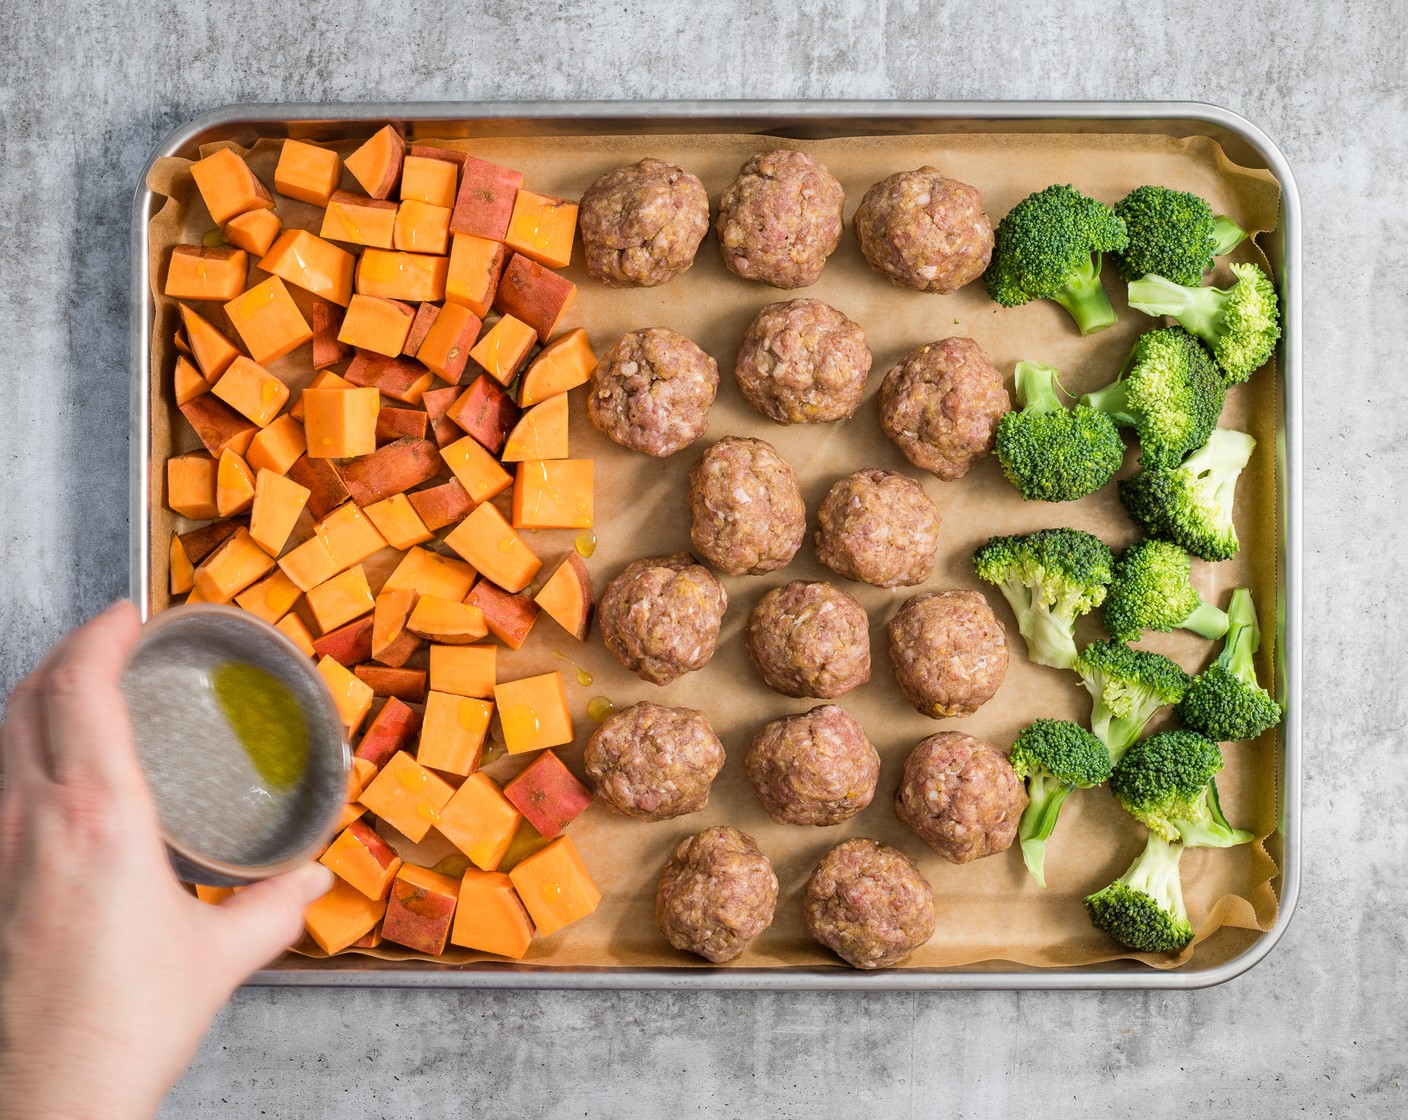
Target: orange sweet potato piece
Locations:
point(490, 916)
point(254, 231)
point(278, 502)
point(359, 220)
point(349, 645)
point(420, 910)
point(326, 490)
point(476, 263)
point(413, 277)
point(200, 543)
point(340, 423)
point(362, 859)
point(212, 351)
point(464, 670)
point(555, 886)
point(436, 403)
point(563, 364)
point(429, 573)
point(341, 599)
point(323, 379)
point(480, 821)
point(533, 712)
point(504, 348)
point(180, 570)
point(349, 535)
point(542, 228)
point(422, 227)
point(392, 469)
point(206, 274)
point(277, 446)
point(446, 621)
point(446, 346)
point(535, 294)
point(352, 697)
point(306, 261)
point(407, 796)
point(541, 433)
point(438, 506)
point(484, 206)
point(399, 423)
point(397, 682)
point(396, 376)
point(328, 350)
point(342, 917)
point(548, 795)
point(508, 617)
point(394, 729)
point(232, 567)
point(426, 315)
point(271, 598)
point(187, 381)
point(487, 542)
point(392, 643)
point(478, 471)
point(427, 179)
point(453, 733)
point(553, 494)
point(376, 324)
point(486, 412)
point(234, 485)
point(309, 564)
point(307, 172)
point(228, 187)
point(567, 596)
point(294, 630)
point(252, 391)
point(377, 163)
point(396, 520)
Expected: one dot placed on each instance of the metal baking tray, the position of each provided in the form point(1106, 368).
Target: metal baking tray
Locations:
point(1240, 139)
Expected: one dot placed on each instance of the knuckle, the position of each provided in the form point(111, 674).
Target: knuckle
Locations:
point(67, 681)
point(88, 811)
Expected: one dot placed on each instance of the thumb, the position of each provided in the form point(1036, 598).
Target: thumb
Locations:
point(258, 923)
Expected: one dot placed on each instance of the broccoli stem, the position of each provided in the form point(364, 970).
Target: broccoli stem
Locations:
point(1198, 310)
point(1226, 235)
point(1046, 795)
point(1243, 638)
point(1206, 621)
point(1118, 733)
point(1049, 640)
point(1113, 401)
point(1155, 873)
point(1035, 383)
point(1084, 297)
point(1212, 829)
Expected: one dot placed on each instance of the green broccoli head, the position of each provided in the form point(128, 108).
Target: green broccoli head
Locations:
point(1143, 909)
point(1240, 324)
point(1127, 686)
point(1051, 453)
point(1048, 247)
point(1166, 783)
point(1055, 756)
point(1170, 393)
point(1191, 504)
point(1226, 703)
point(1152, 589)
point(1049, 578)
point(1170, 234)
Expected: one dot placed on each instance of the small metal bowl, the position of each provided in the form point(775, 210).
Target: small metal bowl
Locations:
point(221, 824)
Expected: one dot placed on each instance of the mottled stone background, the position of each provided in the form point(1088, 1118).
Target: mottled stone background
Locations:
point(88, 89)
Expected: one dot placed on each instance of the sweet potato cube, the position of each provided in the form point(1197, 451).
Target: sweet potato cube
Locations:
point(438, 506)
point(413, 277)
point(399, 423)
point(394, 729)
point(449, 340)
point(376, 324)
point(392, 643)
point(212, 351)
point(362, 859)
point(453, 733)
point(480, 821)
point(395, 376)
point(309, 564)
point(555, 886)
point(429, 180)
point(294, 630)
point(488, 544)
point(200, 543)
point(278, 502)
point(324, 484)
point(447, 155)
point(503, 350)
point(252, 391)
point(508, 617)
point(206, 274)
point(540, 434)
point(352, 697)
point(563, 364)
point(234, 485)
point(484, 206)
point(187, 381)
point(553, 494)
point(341, 917)
point(535, 294)
point(426, 314)
point(567, 596)
point(486, 412)
point(377, 163)
point(447, 621)
point(306, 261)
point(422, 227)
point(464, 670)
point(213, 895)
point(307, 172)
point(359, 220)
point(392, 469)
point(358, 778)
point(478, 471)
point(254, 231)
point(396, 520)
point(395, 681)
point(542, 228)
point(436, 403)
point(180, 570)
point(476, 263)
point(548, 794)
point(490, 916)
point(420, 910)
point(340, 423)
point(232, 567)
point(429, 573)
point(407, 796)
point(228, 187)
point(323, 379)
point(270, 599)
point(349, 535)
point(268, 322)
point(349, 645)
point(277, 446)
point(328, 350)
point(533, 712)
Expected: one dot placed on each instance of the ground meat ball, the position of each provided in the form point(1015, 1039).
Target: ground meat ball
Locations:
point(642, 224)
point(780, 219)
point(922, 231)
point(717, 893)
point(949, 652)
point(652, 392)
point(654, 763)
point(868, 904)
point(961, 796)
point(803, 362)
point(878, 527)
point(809, 639)
point(661, 616)
point(817, 768)
point(941, 405)
point(746, 507)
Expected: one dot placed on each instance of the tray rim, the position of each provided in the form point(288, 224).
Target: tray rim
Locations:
point(1127, 975)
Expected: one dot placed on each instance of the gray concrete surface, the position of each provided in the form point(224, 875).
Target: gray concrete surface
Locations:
point(87, 89)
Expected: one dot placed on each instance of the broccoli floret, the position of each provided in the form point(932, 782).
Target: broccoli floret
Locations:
point(1166, 783)
point(1055, 756)
point(1169, 392)
point(1052, 453)
point(1170, 233)
point(1152, 590)
point(1050, 578)
point(1191, 504)
point(1048, 247)
point(1226, 703)
point(1240, 324)
point(1127, 687)
point(1143, 908)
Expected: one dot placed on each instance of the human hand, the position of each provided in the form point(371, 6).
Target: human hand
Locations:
point(109, 971)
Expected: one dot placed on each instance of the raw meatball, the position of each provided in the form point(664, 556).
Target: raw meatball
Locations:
point(717, 893)
point(949, 652)
point(642, 224)
point(941, 405)
point(780, 219)
point(878, 527)
point(746, 508)
point(961, 796)
point(868, 904)
point(803, 362)
point(922, 231)
point(809, 639)
point(817, 768)
point(661, 616)
point(652, 392)
point(652, 762)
